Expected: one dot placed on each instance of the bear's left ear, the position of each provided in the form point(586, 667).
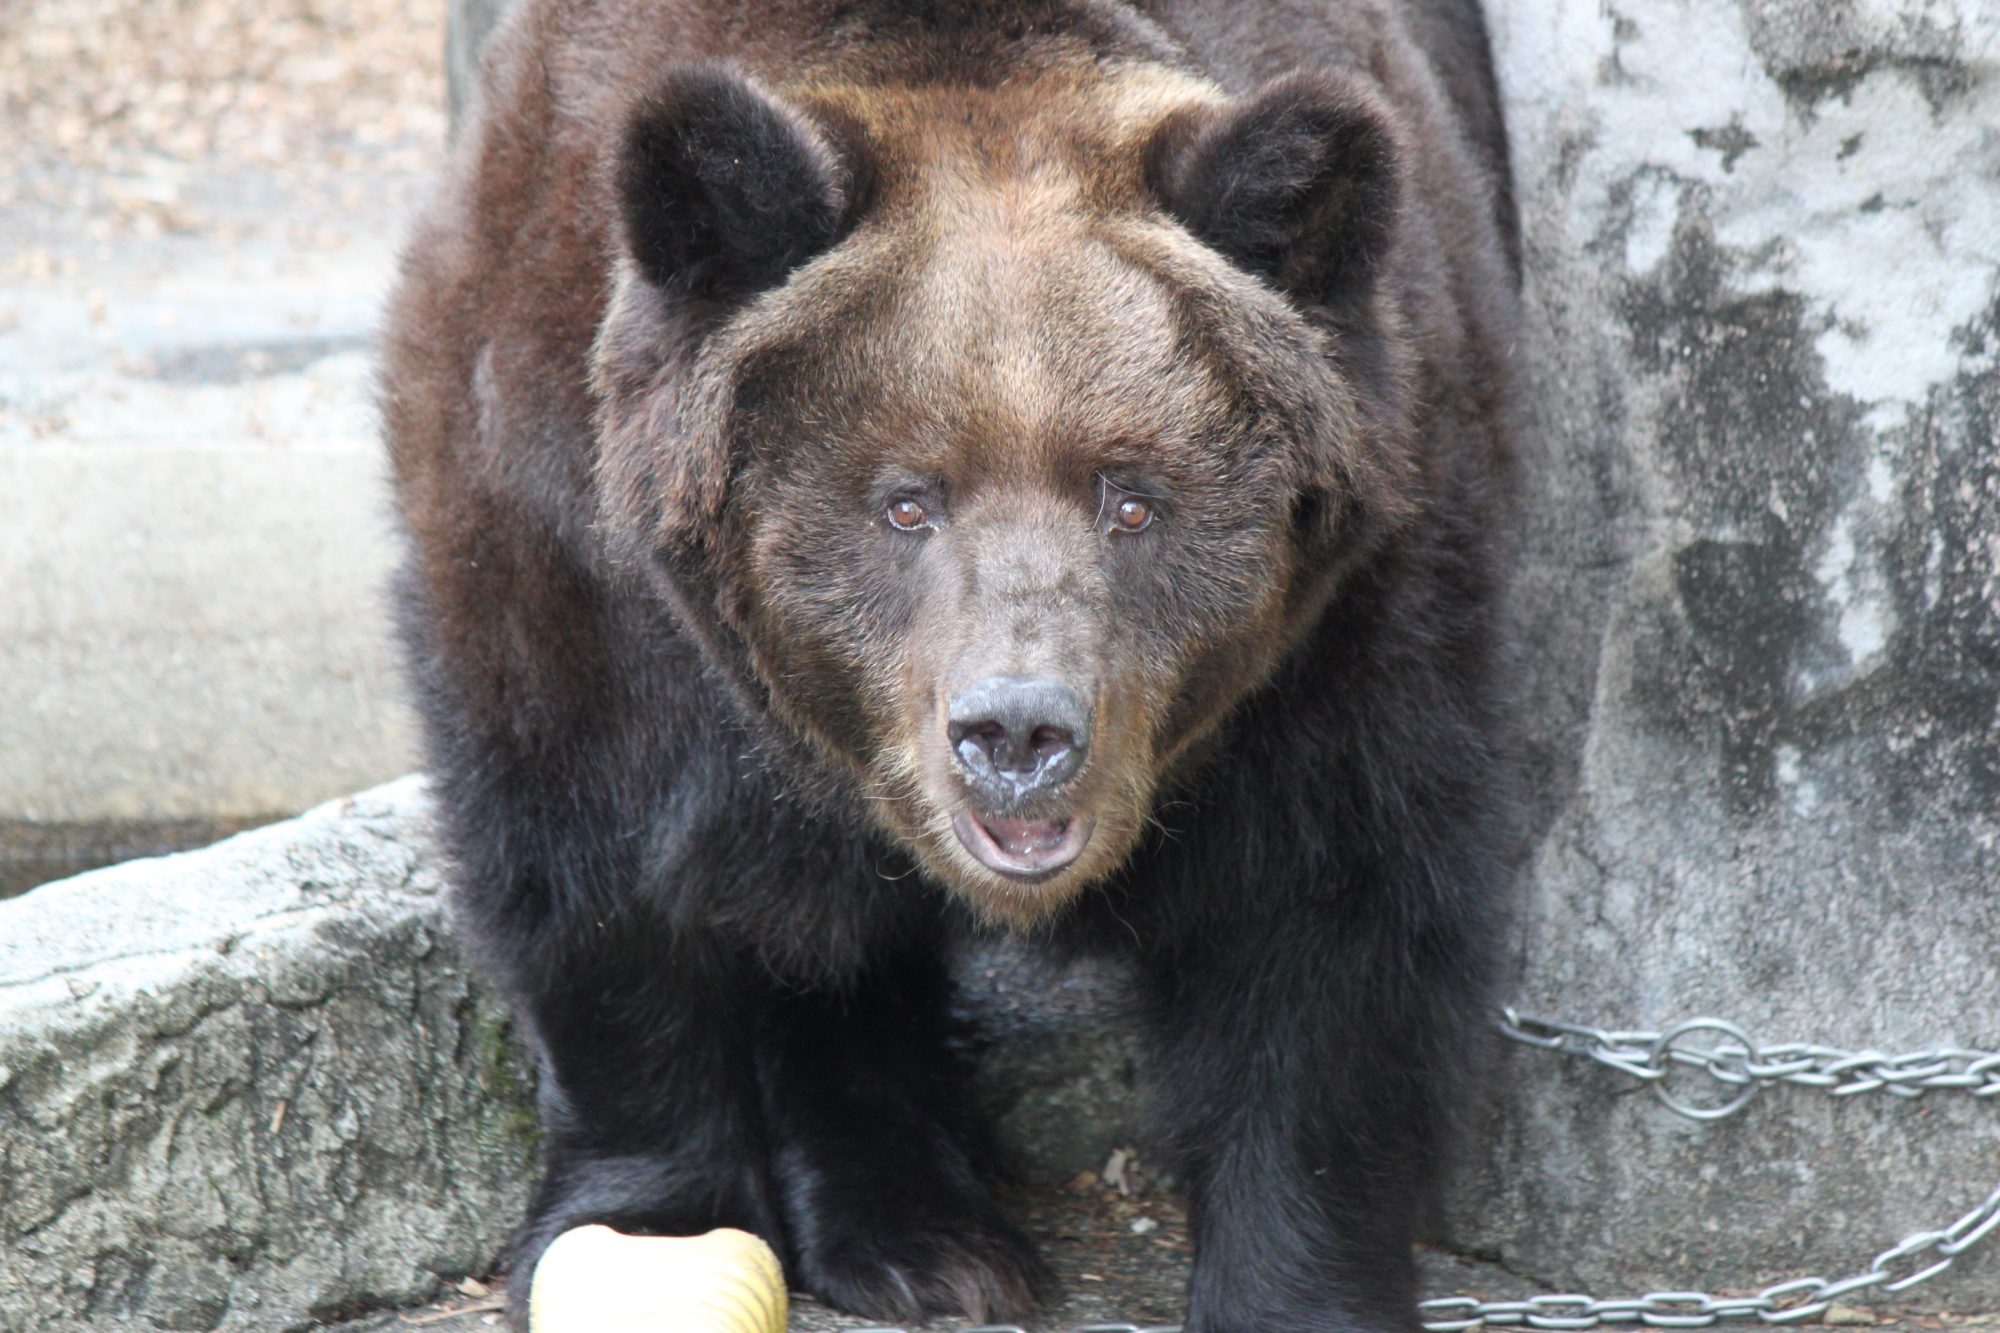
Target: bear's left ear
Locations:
point(724, 190)
point(1297, 182)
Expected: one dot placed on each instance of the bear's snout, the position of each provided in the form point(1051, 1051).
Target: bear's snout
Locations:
point(1017, 742)
point(1015, 738)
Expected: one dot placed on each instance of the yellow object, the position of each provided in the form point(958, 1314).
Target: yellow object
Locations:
point(596, 1280)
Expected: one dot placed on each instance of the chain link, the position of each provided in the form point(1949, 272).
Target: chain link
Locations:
point(1741, 1065)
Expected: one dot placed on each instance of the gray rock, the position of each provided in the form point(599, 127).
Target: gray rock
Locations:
point(249, 1085)
point(1057, 1069)
point(1762, 585)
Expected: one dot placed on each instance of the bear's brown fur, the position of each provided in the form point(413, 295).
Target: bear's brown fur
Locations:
point(1056, 446)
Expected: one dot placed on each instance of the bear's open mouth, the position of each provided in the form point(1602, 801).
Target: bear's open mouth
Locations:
point(1023, 849)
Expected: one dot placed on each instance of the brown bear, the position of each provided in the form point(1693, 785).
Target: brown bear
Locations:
point(878, 471)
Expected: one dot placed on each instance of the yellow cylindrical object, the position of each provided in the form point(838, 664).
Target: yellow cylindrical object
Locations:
point(596, 1280)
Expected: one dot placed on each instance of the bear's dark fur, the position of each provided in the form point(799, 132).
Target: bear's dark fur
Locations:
point(877, 470)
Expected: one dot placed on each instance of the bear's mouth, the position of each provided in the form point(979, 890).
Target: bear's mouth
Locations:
point(1028, 850)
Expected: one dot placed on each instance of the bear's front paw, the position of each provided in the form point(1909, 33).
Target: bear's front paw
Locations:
point(978, 1269)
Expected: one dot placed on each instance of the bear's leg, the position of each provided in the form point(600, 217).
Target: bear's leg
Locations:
point(873, 1157)
point(648, 1093)
point(1302, 1066)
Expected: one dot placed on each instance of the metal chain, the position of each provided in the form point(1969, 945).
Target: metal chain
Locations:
point(1741, 1065)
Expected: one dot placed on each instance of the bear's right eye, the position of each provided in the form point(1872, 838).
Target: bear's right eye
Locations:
point(1132, 515)
point(906, 515)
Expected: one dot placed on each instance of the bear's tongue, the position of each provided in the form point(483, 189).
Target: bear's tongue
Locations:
point(1027, 839)
point(1035, 848)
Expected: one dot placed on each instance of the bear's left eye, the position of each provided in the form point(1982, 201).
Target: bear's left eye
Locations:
point(906, 515)
point(1128, 511)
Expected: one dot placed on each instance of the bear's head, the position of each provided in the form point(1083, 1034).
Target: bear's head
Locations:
point(999, 440)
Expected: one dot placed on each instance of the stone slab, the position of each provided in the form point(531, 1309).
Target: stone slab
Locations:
point(243, 1087)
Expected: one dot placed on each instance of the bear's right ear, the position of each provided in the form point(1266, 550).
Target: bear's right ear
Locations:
point(723, 190)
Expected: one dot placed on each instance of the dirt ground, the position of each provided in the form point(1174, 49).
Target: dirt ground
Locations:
point(134, 120)
point(1121, 1259)
point(154, 146)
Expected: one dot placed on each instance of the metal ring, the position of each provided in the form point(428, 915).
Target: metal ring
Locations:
point(1664, 1043)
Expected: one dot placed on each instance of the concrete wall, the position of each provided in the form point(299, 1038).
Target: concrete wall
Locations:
point(1761, 589)
point(193, 620)
point(197, 627)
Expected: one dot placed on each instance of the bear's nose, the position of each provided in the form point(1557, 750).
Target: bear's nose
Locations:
point(1017, 736)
